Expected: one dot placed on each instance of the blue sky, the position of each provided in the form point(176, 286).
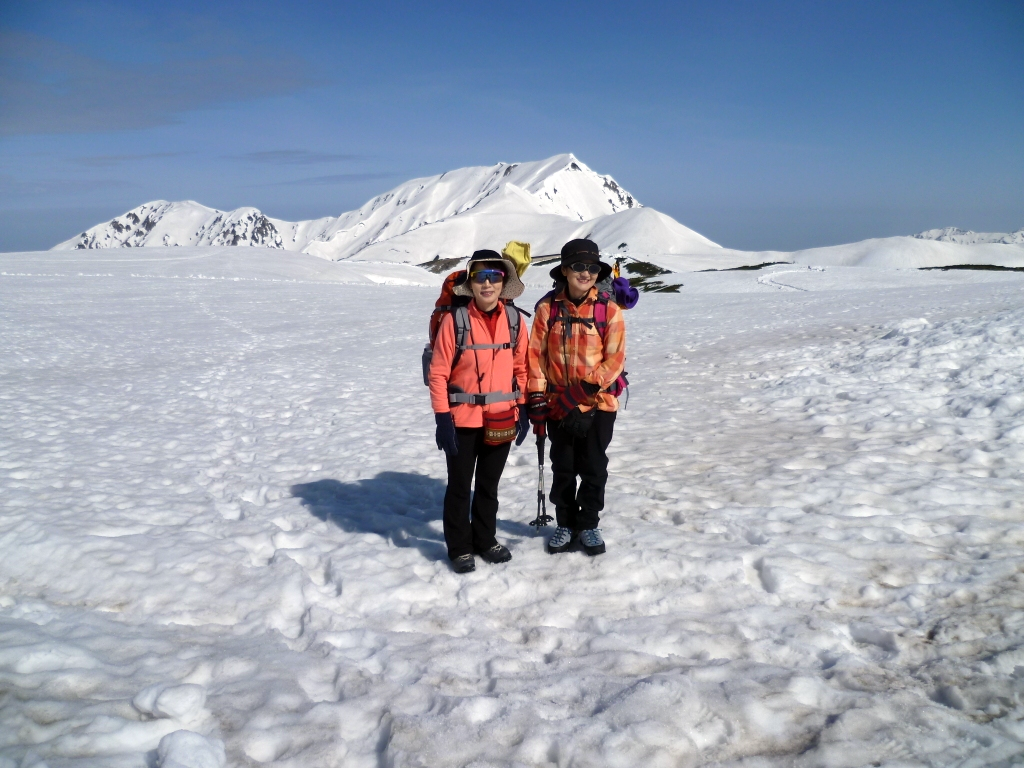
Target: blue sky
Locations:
point(759, 124)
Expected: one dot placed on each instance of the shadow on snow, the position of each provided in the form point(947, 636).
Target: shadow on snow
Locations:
point(399, 506)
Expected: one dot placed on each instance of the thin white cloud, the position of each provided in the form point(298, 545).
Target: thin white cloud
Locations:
point(335, 178)
point(109, 161)
point(49, 87)
point(296, 157)
point(12, 189)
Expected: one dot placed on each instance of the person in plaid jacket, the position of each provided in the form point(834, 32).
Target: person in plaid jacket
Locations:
point(571, 365)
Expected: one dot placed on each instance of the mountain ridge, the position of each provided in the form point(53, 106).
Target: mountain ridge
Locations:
point(970, 237)
point(448, 215)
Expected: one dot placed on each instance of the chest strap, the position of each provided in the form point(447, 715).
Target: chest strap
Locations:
point(487, 346)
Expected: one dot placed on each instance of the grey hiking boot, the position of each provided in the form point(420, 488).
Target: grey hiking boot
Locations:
point(463, 564)
point(561, 541)
point(592, 542)
point(496, 554)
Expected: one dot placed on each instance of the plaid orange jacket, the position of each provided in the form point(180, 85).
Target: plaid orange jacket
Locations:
point(572, 352)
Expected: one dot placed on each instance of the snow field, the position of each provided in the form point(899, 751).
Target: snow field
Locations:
point(222, 525)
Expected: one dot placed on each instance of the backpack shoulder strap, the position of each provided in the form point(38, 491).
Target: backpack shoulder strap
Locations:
point(520, 310)
point(460, 319)
point(601, 313)
point(549, 295)
point(556, 311)
point(514, 316)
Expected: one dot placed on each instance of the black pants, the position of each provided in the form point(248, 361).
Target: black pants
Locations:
point(584, 457)
point(469, 528)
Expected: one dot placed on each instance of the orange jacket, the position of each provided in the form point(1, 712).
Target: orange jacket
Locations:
point(478, 370)
point(568, 354)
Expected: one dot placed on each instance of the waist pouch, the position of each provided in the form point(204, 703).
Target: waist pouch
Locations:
point(499, 427)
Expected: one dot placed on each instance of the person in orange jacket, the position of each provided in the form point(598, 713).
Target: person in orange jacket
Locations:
point(572, 366)
point(479, 405)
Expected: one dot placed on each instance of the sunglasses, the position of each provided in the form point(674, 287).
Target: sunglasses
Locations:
point(587, 266)
point(482, 276)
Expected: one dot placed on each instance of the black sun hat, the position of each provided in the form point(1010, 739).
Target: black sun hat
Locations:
point(581, 250)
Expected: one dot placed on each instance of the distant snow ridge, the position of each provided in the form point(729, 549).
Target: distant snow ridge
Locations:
point(185, 223)
point(967, 237)
point(546, 202)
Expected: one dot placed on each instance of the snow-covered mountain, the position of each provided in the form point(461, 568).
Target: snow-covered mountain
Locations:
point(160, 223)
point(967, 237)
point(546, 203)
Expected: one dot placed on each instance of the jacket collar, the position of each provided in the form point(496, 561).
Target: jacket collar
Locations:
point(563, 295)
point(474, 309)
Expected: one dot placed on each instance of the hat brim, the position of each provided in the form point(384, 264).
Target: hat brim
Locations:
point(512, 287)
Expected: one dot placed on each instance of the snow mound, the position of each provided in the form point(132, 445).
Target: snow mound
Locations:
point(178, 702)
point(645, 231)
point(877, 253)
point(185, 749)
point(911, 253)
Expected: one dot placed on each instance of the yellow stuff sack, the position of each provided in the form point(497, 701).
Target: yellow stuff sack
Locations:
point(519, 254)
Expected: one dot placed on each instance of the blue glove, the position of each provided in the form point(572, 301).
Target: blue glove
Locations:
point(523, 425)
point(445, 435)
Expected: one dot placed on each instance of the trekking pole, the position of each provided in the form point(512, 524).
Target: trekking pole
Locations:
point(543, 518)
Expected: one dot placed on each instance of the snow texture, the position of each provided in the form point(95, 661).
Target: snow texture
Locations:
point(967, 237)
point(221, 525)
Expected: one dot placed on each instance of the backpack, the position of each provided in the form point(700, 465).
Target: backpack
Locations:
point(618, 290)
point(458, 306)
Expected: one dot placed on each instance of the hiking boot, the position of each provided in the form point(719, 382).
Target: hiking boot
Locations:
point(592, 542)
point(463, 564)
point(496, 554)
point(561, 541)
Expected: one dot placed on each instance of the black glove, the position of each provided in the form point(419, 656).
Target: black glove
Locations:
point(577, 423)
point(523, 425)
point(445, 435)
point(580, 393)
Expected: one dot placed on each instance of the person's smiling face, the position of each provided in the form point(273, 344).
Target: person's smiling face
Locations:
point(580, 282)
point(486, 282)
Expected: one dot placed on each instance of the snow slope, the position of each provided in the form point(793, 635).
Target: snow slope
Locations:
point(221, 535)
point(881, 253)
point(224, 263)
point(447, 216)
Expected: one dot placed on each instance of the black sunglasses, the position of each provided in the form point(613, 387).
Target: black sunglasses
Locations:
point(587, 266)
